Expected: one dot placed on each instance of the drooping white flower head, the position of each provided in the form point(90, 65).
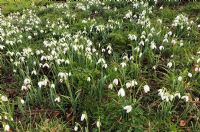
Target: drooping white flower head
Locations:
point(169, 64)
point(186, 98)
point(83, 116)
point(57, 99)
point(7, 128)
point(180, 78)
point(110, 86)
point(4, 98)
point(146, 88)
point(115, 81)
point(22, 101)
point(98, 123)
point(189, 74)
point(76, 128)
point(121, 92)
point(88, 79)
point(128, 108)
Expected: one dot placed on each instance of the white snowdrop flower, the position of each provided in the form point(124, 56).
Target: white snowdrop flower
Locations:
point(141, 43)
point(146, 88)
point(45, 65)
point(181, 43)
point(199, 26)
point(128, 85)
point(134, 83)
point(4, 98)
point(165, 40)
point(76, 128)
point(57, 99)
point(29, 37)
point(43, 83)
point(125, 58)
point(180, 78)
point(115, 81)
point(5, 117)
point(154, 67)
point(171, 97)
point(170, 33)
point(169, 64)
point(101, 60)
point(67, 62)
point(83, 116)
point(189, 74)
point(131, 58)
point(27, 81)
point(128, 108)
point(115, 69)
point(109, 52)
point(34, 72)
point(123, 64)
point(159, 21)
point(98, 124)
point(88, 79)
point(132, 37)
point(186, 98)
point(153, 45)
point(110, 86)
point(103, 50)
point(24, 88)
point(121, 92)
point(7, 128)
point(177, 94)
point(52, 85)
point(22, 101)
point(2, 47)
point(128, 15)
point(174, 41)
point(105, 66)
point(166, 98)
point(161, 48)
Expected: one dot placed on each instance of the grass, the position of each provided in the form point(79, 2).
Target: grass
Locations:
point(99, 66)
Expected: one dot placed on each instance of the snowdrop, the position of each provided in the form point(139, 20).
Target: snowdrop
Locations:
point(43, 83)
point(115, 82)
point(121, 92)
point(98, 123)
point(6, 128)
point(123, 64)
point(128, 108)
point(132, 37)
point(4, 98)
point(84, 116)
point(190, 75)
point(146, 88)
point(169, 64)
point(110, 86)
point(161, 48)
point(186, 98)
point(180, 78)
point(57, 99)
point(88, 79)
point(76, 128)
point(22, 101)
